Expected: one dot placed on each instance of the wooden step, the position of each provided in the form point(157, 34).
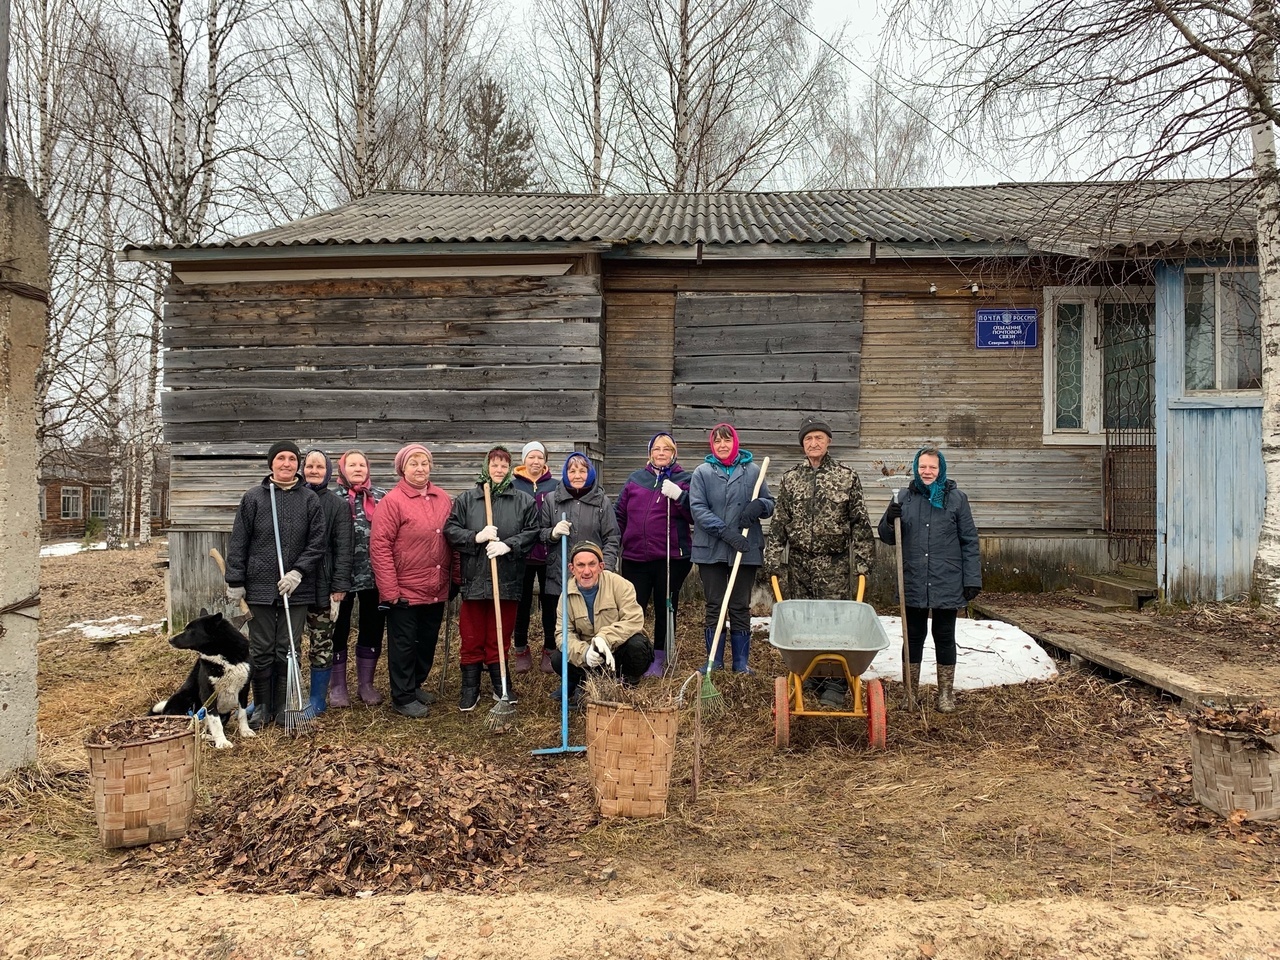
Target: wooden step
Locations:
point(1132, 593)
point(1101, 604)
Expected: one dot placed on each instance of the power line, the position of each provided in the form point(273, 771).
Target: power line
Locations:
point(911, 107)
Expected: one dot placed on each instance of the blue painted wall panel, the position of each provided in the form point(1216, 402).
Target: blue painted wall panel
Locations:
point(1210, 488)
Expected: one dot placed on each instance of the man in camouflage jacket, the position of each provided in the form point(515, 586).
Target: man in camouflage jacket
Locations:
point(821, 522)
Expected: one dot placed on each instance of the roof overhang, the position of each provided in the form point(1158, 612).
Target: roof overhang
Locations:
point(348, 251)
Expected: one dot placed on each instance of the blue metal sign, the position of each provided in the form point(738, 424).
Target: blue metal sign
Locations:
point(1002, 329)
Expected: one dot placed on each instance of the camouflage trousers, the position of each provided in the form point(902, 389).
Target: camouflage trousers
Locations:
point(817, 576)
point(320, 639)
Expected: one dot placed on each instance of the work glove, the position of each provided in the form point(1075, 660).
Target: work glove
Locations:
point(970, 593)
point(495, 549)
point(335, 602)
point(487, 533)
point(754, 510)
point(235, 594)
point(561, 529)
point(289, 583)
point(599, 653)
point(671, 489)
point(894, 512)
point(736, 541)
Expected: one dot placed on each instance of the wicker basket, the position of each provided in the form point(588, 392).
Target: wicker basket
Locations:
point(1236, 771)
point(143, 790)
point(630, 752)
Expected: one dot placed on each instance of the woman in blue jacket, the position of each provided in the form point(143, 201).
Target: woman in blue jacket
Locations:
point(942, 570)
point(720, 498)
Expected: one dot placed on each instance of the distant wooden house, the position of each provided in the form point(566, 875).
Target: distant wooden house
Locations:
point(1087, 354)
point(75, 493)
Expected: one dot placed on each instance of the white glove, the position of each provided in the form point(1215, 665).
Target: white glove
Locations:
point(599, 653)
point(496, 549)
point(561, 529)
point(289, 583)
point(235, 594)
point(487, 533)
point(334, 605)
point(671, 489)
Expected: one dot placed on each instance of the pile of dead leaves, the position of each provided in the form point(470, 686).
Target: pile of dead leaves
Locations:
point(351, 821)
point(1257, 720)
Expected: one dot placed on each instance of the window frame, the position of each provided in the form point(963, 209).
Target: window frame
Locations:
point(64, 494)
point(106, 502)
point(1092, 432)
point(1210, 393)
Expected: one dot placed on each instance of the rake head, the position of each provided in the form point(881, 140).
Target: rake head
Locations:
point(502, 718)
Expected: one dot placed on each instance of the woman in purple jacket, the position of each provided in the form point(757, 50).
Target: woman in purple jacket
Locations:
point(654, 517)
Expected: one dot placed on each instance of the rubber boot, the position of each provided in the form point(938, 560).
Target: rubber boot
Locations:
point(741, 644)
point(909, 701)
point(522, 661)
point(366, 664)
point(317, 703)
point(550, 660)
point(261, 702)
point(659, 665)
point(719, 661)
point(338, 696)
point(495, 678)
point(279, 693)
point(946, 689)
point(470, 687)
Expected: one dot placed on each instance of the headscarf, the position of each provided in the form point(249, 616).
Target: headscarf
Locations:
point(737, 456)
point(591, 476)
point(364, 488)
point(665, 472)
point(505, 484)
point(328, 470)
point(936, 491)
point(407, 451)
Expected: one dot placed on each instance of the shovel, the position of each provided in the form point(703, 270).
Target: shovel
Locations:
point(902, 609)
point(245, 614)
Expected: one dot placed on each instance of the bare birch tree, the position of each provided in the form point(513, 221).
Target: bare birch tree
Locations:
point(576, 47)
point(721, 93)
point(1163, 86)
point(883, 139)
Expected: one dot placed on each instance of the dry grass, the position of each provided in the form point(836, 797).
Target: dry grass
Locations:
point(1074, 786)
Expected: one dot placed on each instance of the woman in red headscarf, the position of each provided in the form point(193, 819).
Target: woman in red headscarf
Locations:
point(355, 483)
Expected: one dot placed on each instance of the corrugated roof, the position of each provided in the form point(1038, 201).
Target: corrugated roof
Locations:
point(1093, 215)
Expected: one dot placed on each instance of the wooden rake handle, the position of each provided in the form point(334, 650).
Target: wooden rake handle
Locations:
point(497, 600)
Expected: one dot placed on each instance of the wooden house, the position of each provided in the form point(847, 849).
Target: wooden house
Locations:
point(1086, 354)
point(75, 493)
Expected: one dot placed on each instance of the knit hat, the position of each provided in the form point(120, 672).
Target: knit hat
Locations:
point(586, 546)
point(279, 447)
point(529, 447)
point(811, 424)
point(408, 450)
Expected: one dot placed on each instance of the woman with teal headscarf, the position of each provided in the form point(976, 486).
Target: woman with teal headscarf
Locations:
point(942, 570)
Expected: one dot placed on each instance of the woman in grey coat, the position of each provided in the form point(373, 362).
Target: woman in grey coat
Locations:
point(720, 498)
point(942, 570)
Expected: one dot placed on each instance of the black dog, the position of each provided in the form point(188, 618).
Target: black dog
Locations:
point(219, 677)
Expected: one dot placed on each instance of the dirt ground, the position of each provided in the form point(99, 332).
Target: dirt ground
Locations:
point(1052, 820)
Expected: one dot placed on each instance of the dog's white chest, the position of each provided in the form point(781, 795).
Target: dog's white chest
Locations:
point(228, 686)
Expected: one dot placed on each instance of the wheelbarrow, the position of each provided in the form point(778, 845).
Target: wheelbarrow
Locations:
point(809, 634)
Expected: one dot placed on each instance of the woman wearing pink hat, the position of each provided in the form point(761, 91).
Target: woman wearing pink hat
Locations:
point(414, 568)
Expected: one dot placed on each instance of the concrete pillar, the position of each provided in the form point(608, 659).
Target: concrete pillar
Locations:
point(24, 286)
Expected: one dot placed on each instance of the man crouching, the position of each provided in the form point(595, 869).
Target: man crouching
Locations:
point(606, 624)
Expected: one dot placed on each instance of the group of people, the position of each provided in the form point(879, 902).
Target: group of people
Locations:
point(306, 552)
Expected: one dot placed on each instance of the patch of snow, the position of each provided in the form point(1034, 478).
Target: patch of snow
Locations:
point(66, 549)
point(990, 653)
point(122, 626)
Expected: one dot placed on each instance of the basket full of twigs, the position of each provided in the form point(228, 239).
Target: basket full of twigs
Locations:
point(1235, 761)
point(143, 774)
point(630, 748)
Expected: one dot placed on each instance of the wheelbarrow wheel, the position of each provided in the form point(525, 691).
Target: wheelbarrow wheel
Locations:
point(781, 714)
point(876, 722)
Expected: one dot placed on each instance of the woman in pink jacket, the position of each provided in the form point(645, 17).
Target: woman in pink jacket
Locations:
point(413, 565)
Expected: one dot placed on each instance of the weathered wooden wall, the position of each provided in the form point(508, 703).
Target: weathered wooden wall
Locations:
point(456, 363)
point(919, 378)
